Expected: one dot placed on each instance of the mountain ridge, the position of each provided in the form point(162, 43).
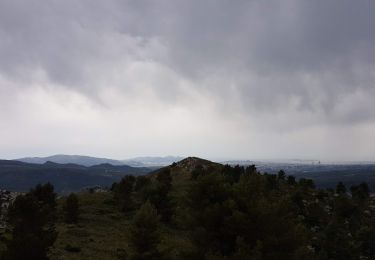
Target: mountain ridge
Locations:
point(21, 176)
point(75, 159)
point(143, 161)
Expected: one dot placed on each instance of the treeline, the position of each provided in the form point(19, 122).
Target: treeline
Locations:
point(225, 213)
point(240, 213)
point(31, 220)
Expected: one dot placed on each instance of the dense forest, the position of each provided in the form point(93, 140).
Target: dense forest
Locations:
point(195, 209)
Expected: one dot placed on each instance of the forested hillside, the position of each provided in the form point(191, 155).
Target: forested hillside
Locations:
point(196, 209)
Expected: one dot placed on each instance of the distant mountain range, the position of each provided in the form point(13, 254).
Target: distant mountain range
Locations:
point(73, 172)
point(75, 159)
point(21, 176)
point(88, 161)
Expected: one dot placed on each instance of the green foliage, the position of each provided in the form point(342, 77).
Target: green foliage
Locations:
point(360, 192)
point(32, 218)
point(306, 183)
point(242, 219)
point(201, 210)
point(45, 195)
point(198, 171)
point(340, 188)
point(141, 183)
point(123, 193)
point(165, 179)
point(281, 175)
point(265, 216)
point(291, 180)
point(158, 194)
point(144, 235)
point(71, 209)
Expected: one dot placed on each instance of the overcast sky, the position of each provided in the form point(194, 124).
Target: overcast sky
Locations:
point(214, 78)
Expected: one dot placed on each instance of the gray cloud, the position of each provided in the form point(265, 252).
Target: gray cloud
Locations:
point(282, 65)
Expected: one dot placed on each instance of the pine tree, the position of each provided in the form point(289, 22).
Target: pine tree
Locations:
point(360, 192)
point(123, 193)
point(144, 235)
point(340, 188)
point(141, 182)
point(71, 209)
point(32, 219)
point(158, 194)
point(281, 175)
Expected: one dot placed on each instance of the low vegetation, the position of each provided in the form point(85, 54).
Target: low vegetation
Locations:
point(197, 209)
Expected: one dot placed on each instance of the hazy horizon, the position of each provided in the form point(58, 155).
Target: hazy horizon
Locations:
point(214, 79)
point(214, 159)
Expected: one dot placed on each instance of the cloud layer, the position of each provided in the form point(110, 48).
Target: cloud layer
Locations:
point(213, 78)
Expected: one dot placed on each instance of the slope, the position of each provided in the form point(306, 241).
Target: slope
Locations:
point(19, 176)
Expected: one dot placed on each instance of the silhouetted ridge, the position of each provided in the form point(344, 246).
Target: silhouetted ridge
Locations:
point(183, 170)
point(20, 176)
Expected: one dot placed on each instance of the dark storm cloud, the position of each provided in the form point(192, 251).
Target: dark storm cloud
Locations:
point(315, 52)
point(251, 56)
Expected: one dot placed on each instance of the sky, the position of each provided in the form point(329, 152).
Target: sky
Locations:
point(254, 79)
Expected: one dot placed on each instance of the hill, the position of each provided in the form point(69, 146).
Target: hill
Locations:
point(73, 176)
point(183, 170)
point(20, 176)
point(145, 161)
point(206, 210)
point(75, 159)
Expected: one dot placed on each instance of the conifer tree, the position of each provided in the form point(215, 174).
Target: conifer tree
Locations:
point(32, 219)
point(340, 188)
point(123, 193)
point(144, 234)
point(71, 209)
